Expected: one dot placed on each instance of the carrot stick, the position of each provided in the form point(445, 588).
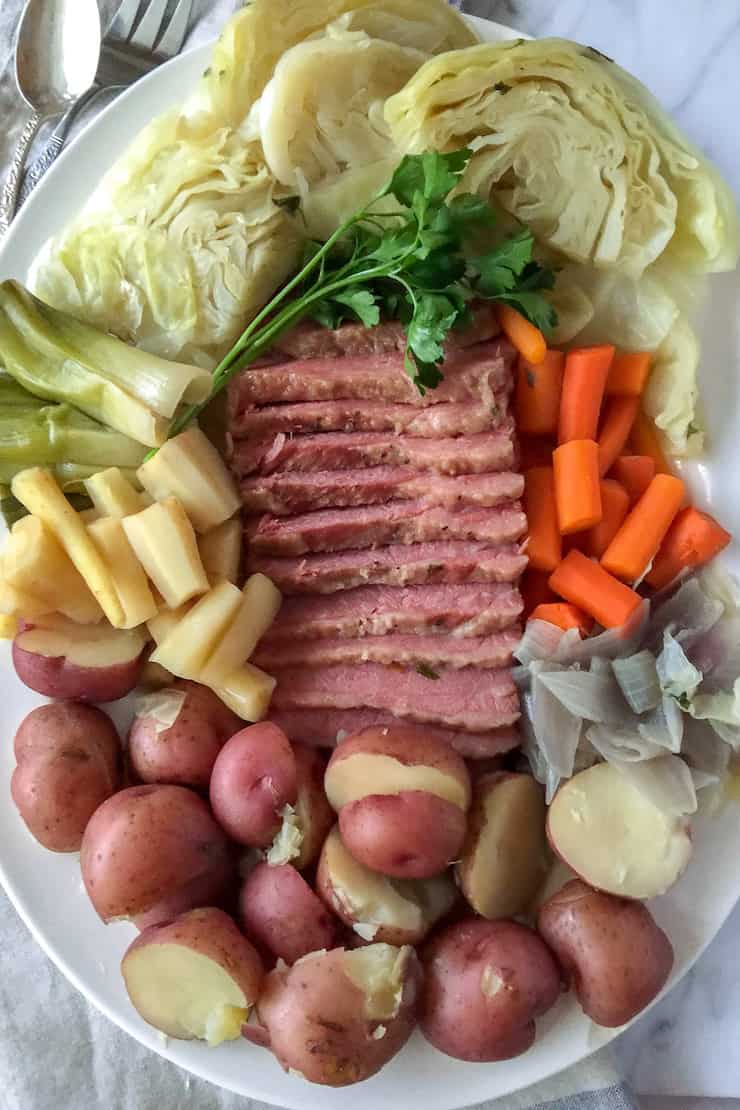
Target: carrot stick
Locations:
point(636, 543)
point(587, 585)
point(535, 590)
point(528, 340)
point(634, 473)
point(584, 379)
point(616, 425)
point(577, 493)
point(544, 548)
point(615, 505)
point(645, 440)
point(691, 541)
point(535, 451)
point(628, 374)
point(538, 388)
point(563, 615)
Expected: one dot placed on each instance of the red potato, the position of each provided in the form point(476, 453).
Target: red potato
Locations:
point(281, 913)
point(402, 796)
point(485, 982)
point(615, 956)
point(93, 663)
point(504, 857)
point(305, 825)
point(68, 762)
point(377, 908)
point(196, 977)
point(253, 779)
point(151, 852)
point(177, 734)
point(337, 1017)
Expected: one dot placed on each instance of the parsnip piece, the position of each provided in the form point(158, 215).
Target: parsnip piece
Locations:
point(247, 692)
point(260, 602)
point(221, 550)
point(190, 468)
point(129, 579)
point(164, 543)
point(8, 627)
point(35, 563)
point(15, 603)
point(165, 620)
point(37, 490)
point(188, 647)
point(113, 495)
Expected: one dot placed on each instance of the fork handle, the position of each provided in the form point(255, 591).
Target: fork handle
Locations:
point(9, 195)
point(56, 142)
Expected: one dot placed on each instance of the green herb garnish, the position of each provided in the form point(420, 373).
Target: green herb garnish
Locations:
point(426, 672)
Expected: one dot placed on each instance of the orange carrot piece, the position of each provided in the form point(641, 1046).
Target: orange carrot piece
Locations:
point(615, 504)
point(535, 451)
point(616, 425)
point(584, 380)
point(628, 374)
point(645, 440)
point(691, 541)
point(544, 548)
point(535, 590)
point(577, 492)
point(587, 585)
point(636, 543)
point(538, 388)
point(634, 473)
point(528, 340)
point(564, 615)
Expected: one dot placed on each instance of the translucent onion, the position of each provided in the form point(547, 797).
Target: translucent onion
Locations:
point(621, 745)
point(594, 697)
point(678, 677)
point(665, 781)
point(637, 677)
point(663, 725)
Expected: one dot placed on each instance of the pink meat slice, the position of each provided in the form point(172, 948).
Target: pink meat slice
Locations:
point(324, 728)
point(465, 610)
point(289, 493)
point(474, 374)
point(403, 522)
point(469, 699)
point(415, 564)
point(395, 648)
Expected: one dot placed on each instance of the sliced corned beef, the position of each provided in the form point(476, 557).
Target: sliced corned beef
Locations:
point(304, 493)
point(469, 699)
point(369, 416)
point(322, 727)
point(450, 652)
point(416, 564)
point(466, 610)
point(478, 454)
point(374, 525)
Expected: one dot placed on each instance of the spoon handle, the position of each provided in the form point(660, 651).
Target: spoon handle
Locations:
point(9, 195)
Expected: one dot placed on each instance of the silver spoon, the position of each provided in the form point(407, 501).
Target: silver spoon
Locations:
point(56, 57)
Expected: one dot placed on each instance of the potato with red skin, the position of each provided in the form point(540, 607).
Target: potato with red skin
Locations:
point(402, 797)
point(281, 913)
point(87, 663)
point(337, 1017)
point(183, 753)
point(615, 956)
point(151, 852)
point(484, 984)
point(306, 823)
point(194, 977)
point(253, 779)
point(68, 762)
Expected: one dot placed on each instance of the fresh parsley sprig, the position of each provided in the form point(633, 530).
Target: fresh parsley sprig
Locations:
point(413, 265)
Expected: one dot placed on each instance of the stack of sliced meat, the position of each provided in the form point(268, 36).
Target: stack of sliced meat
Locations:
point(392, 524)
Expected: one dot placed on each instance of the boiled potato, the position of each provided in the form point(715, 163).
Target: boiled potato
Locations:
point(281, 913)
point(615, 956)
point(195, 977)
point(402, 797)
point(68, 762)
point(151, 852)
point(253, 779)
point(485, 982)
point(305, 824)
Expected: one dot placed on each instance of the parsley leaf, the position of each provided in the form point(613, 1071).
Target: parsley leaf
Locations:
point(431, 174)
point(351, 304)
point(426, 671)
point(499, 269)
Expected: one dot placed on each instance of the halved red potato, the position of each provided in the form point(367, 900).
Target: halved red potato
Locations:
point(504, 857)
point(151, 852)
point(68, 762)
point(337, 1017)
point(615, 838)
point(195, 977)
point(253, 779)
point(95, 663)
point(305, 824)
point(376, 907)
point(281, 913)
point(615, 956)
point(402, 796)
point(485, 982)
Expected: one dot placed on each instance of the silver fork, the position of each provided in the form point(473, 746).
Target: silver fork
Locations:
point(139, 39)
